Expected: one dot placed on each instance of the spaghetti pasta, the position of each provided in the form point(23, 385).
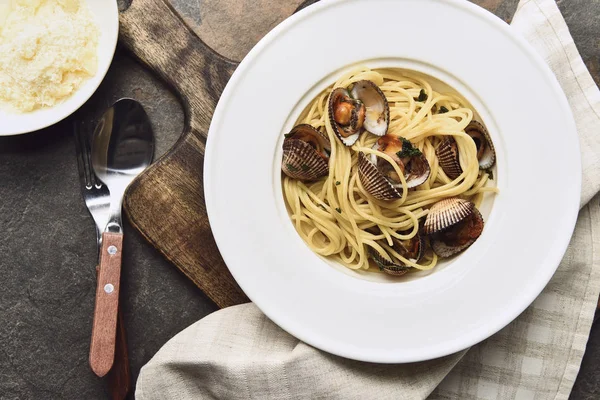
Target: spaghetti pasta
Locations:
point(338, 218)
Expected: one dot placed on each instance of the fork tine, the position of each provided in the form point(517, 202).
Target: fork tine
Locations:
point(85, 139)
point(82, 157)
point(89, 132)
point(88, 151)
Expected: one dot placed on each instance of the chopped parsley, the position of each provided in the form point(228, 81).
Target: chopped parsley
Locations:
point(291, 167)
point(443, 110)
point(408, 150)
point(490, 173)
point(422, 95)
point(323, 207)
point(337, 183)
point(289, 134)
point(338, 210)
point(304, 167)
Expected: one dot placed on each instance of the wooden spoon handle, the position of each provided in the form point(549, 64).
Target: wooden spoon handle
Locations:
point(102, 347)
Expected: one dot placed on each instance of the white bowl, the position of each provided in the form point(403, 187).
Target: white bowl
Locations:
point(478, 292)
point(106, 15)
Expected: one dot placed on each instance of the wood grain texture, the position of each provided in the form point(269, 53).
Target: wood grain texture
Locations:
point(104, 328)
point(490, 5)
point(504, 9)
point(166, 203)
point(119, 377)
point(233, 27)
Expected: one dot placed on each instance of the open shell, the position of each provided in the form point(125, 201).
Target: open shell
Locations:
point(347, 125)
point(454, 224)
point(305, 153)
point(372, 171)
point(417, 176)
point(351, 112)
point(374, 182)
point(404, 247)
point(314, 137)
point(447, 150)
point(377, 114)
point(486, 154)
point(447, 153)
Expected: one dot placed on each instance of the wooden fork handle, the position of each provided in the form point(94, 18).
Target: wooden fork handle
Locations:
point(119, 377)
point(104, 329)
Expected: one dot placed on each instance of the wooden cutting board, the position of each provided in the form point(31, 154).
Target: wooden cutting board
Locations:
point(166, 203)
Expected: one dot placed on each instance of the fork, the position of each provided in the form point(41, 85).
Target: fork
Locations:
point(97, 200)
point(95, 194)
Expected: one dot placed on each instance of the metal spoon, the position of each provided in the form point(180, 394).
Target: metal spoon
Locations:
point(122, 147)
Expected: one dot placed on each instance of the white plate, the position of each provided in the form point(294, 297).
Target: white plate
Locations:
point(479, 292)
point(106, 15)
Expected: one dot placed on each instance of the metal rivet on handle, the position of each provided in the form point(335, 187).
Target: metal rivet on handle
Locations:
point(108, 288)
point(112, 250)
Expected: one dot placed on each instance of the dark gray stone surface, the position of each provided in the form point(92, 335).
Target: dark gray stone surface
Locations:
point(48, 251)
point(583, 19)
point(49, 254)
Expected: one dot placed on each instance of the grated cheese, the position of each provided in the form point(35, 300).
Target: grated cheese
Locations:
point(47, 50)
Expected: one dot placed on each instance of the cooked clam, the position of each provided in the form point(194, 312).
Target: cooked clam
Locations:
point(305, 153)
point(486, 155)
point(347, 116)
point(411, 249)
point(454, 224)
point(447, 153)
point(380, 178)
point(362, 107)
point(447, 150)
point(377, 109)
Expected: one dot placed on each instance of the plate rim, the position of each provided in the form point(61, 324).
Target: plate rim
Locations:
point(571, 213)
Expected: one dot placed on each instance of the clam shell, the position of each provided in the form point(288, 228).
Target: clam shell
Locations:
point(302, 161)
point(488, 159)
point(374, 182)
point(303, 130)
point(388, 267)
point(378, 111)
point(446, 213)
point(447, 154)
point(396, 268)
point(350, 140)
point(412, 179)
point(443, 250)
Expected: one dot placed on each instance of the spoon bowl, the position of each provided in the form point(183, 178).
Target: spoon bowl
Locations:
point(122, 147)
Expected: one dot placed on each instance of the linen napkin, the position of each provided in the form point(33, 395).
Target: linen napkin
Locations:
point(238, 353)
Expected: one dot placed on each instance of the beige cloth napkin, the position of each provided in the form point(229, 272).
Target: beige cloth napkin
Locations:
point(238, 353)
